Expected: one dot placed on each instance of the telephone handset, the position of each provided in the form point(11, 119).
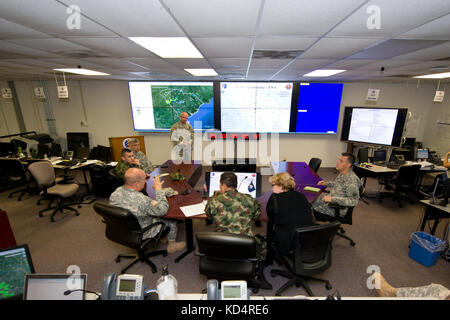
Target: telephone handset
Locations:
point(123, 287)
point(212, 290)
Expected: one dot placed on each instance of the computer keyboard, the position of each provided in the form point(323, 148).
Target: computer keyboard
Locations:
point(381, 163)
point(67, 163)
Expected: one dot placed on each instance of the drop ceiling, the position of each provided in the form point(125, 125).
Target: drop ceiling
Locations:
point(412, 39)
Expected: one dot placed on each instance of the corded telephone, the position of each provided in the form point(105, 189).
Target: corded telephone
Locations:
point(231, 290)
point(68, 155)
point(127, 287)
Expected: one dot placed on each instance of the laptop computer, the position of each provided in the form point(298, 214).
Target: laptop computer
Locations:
point(15, 263)
point(55, 287)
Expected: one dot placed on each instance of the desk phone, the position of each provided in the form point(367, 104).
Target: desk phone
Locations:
point(127, 287)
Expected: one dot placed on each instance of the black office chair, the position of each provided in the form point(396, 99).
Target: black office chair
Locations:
point(402, 185)
point(16, 175)
point(227, 256)
point(346, 219)
point(124, 228)
point(314, 164)
point(311, 255)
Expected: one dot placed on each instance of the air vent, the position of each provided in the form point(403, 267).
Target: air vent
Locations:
point(442, 59)
point(82, 54)
point(232, 75)
point(398, 76)
point(276, 54)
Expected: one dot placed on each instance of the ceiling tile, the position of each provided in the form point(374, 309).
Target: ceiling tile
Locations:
point(11, 30)
point(49, 17)
point(225, 47)
point(306, 18)
point(138, 18)
point(336, 48)
point(435, 30)
point(222, 18)
point(396, 17)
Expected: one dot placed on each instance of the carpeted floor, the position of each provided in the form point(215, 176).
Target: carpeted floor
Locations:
point(381, 232)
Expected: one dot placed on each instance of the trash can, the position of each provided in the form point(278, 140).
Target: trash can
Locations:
point(425, 248)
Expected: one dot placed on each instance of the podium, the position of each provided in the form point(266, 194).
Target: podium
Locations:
point(119, 143)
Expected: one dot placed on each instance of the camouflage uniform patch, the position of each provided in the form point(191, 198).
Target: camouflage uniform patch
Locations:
point(122, 167)
point(433, 291)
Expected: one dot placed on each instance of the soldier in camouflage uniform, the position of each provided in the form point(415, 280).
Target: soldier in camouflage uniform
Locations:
point(144, 208)
point(430, 291)
point(344, 190)
point(135, 146)
point(180, 132)
point(127, 161)
point(233, 212)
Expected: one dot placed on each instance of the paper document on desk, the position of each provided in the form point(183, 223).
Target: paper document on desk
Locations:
point(194, 210)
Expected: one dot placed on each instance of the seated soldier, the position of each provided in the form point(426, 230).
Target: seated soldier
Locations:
point(144, 208)
point(135, 146)
point(127, 161)
point(233, 212)
point(344, 190)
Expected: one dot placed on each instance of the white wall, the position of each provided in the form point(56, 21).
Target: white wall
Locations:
point(108, 113)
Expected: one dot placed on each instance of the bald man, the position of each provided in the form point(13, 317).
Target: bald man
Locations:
point(182, 132)
point(146, 210)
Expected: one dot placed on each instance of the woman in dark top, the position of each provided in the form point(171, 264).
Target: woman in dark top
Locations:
point(287, 209)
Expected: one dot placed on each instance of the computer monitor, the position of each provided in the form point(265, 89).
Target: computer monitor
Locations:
point(409, 143)
point(15, 263)
point(379, 155)
point(55, 286)
point(422, 154)
point(363, 155)
point(247, 182)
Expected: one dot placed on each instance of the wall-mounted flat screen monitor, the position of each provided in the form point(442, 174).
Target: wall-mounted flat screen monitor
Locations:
point(255, 106)
point(317, 109)
point(380, 126)
point(156, 106)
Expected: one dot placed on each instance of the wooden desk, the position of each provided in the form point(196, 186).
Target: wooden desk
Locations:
point(434, 212)
point(302, 173)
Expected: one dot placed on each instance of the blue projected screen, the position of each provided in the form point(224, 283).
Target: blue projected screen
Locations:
point(318, 108)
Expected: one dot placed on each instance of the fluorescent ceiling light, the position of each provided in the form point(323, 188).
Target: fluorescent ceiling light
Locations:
point(435, 76)
point(169, 47)
point(82, 71)
point(323, 73)
point(202, 72)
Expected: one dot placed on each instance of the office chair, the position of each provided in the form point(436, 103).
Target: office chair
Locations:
point(123, 227)
point(311, 255)
point(401, 185)
point(16, 174)
point(227, 256)
point(44, 174)
point(314, 164)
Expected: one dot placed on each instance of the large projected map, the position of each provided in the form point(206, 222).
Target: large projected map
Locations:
point(158, 105)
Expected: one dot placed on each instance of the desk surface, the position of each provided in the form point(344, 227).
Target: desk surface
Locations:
point(442, 208)
point(302, 173)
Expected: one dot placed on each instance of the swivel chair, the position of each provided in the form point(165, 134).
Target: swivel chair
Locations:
point(311, 255)
point(403, 185)
point(16, 174)
point(123, 227)
point(44, 174)
point(314, 164)
point(227, 256)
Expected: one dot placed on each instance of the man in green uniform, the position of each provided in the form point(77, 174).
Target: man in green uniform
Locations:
point(127, 161)
point(135, 146)
point(233, 212)
point(344, 190)
point(182, 136)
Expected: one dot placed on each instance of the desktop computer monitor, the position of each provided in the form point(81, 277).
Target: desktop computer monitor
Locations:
point(15, 263)
point(247, 182)
point(379, 155)
point(422, 154)
point(55, 287)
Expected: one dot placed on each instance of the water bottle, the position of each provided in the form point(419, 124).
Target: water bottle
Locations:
point(20, 153)
point(167, 285)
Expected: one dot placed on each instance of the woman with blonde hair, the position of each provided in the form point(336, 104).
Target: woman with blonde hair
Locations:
point(287, 209)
